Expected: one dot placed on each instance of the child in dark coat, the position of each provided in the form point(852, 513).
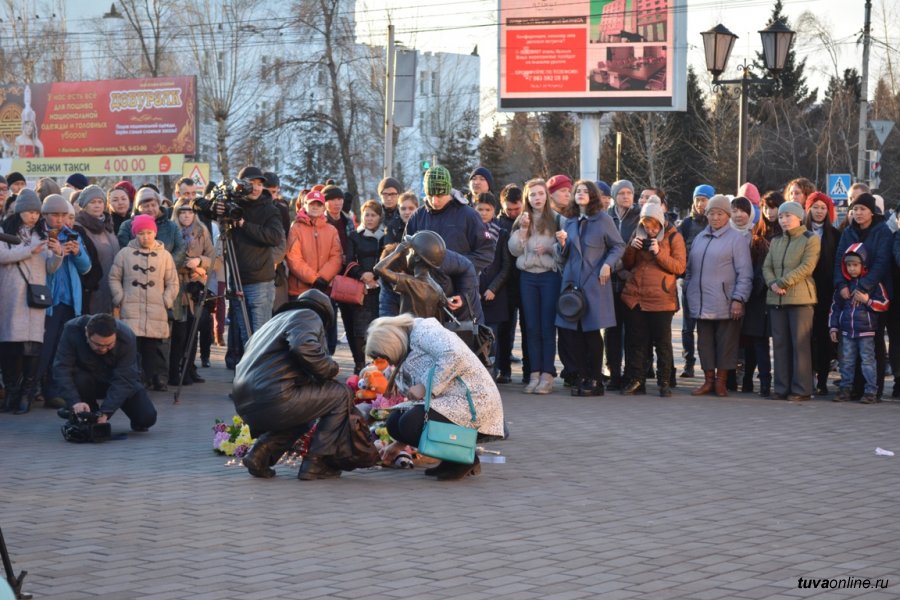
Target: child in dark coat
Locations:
point(854, 321)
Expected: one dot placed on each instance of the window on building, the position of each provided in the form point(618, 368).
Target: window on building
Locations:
point(423, 83)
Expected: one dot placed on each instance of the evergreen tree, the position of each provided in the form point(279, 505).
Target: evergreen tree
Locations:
point(492, 154)
point(559, 136)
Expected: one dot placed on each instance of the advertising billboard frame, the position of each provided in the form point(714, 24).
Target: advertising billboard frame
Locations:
point(575, 42)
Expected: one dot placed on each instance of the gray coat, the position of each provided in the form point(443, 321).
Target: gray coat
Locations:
point(584, 256)
point(719, 270)
point(19, 322)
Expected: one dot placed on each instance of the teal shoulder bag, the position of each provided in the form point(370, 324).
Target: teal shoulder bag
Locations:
point(448, 441)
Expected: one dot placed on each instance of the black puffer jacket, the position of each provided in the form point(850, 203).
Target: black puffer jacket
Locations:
point(287, 353)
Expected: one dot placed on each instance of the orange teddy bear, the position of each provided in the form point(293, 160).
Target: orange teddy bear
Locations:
point(372, 380)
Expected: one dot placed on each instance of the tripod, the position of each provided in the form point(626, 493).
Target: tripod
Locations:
point(14, 582)
point(234, 290)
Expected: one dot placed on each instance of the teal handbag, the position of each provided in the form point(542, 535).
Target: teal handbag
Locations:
point(448, 441)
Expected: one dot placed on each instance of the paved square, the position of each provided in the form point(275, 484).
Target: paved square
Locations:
point(611, 497)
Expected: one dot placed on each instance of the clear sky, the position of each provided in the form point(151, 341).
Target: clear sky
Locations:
point(457, 26)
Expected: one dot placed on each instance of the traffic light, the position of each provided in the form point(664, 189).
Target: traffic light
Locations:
point(425, 165)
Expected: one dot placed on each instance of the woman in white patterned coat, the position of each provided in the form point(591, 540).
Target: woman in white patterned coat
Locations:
point(426, 348)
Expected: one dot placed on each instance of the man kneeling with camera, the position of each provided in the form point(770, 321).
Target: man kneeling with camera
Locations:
point(97, 371)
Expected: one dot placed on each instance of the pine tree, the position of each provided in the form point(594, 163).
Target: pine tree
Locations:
point(791, 81)
point(559, 137)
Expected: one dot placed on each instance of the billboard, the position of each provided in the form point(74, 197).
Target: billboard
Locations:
point(593, 55)
point(77, 119)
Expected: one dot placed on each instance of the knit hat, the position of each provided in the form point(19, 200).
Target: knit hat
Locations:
point(46, 186)
point(750, 192)
point(27, 200)
point(145, 194)
point(437, 181)
point(389, 182)
point(91, 192)
point(559, 182)
point(479, 170)
point(14, 177)
point(128, 187)
point(604, 188)
point(77, 181)
point(705, 190)
point(654, 210)
point(821, 197)
point(54, 203)
point(866, 199)
point(718, 201)
point(620, 185)
point(272, 179)
point(330, 192)
point(142, 223)
point(743, 204)
point(791, 208)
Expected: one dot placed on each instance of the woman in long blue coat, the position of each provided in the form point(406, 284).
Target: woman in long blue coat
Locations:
point(590, 245)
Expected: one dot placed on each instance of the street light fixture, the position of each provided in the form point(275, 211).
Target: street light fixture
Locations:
point(717, 44)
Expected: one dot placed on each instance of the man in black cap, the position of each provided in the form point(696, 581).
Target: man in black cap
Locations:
point(256, 235)
point(285, 381)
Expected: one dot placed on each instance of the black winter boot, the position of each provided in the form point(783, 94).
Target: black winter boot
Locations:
point(456, 471)
point(317, 467)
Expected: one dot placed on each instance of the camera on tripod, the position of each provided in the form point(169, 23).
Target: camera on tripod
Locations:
point(227, 195)
point(82, 427)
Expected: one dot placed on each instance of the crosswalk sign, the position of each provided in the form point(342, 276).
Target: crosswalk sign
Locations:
point(839, 185)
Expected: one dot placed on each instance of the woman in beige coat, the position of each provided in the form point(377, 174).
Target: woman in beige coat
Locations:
point(21, 326)
point(144, 285)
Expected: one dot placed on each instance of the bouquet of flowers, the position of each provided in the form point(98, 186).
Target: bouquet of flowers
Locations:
point(232, 440)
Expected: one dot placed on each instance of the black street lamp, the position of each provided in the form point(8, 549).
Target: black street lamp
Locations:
point(717, 44)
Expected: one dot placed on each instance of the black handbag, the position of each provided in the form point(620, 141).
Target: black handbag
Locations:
point(479, 338)
point(36, 295)
point(571, 303)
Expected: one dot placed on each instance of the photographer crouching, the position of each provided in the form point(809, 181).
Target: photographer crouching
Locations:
point(97, 371)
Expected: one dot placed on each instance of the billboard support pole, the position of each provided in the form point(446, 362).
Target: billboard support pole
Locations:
point(590, 146)
point(618, 154)
point(389, 106)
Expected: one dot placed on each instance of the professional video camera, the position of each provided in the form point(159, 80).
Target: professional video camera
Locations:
point(83, 427)
point(227, 194)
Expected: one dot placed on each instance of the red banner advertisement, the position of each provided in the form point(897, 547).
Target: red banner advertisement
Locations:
point(99, 118)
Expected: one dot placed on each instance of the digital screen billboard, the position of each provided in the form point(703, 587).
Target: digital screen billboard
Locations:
point(592, 55)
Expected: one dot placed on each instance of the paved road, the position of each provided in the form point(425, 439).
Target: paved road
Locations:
point(612, 497)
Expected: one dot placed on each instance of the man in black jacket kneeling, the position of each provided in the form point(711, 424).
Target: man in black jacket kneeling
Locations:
point(285, 381)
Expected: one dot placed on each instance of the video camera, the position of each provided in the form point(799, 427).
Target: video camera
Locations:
point(227, 194)
point(83, 427)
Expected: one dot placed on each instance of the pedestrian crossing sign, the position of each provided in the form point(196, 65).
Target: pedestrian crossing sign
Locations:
point(839, 185)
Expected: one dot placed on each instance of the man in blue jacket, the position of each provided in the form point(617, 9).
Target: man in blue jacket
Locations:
point(457, 223)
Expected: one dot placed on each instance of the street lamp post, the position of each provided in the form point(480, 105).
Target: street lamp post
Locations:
point(717, 44)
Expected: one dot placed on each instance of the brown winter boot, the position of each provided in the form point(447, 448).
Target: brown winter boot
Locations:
point(708, 384)
point(722, 382)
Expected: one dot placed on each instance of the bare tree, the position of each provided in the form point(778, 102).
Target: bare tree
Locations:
point(338, 110)
point(226, 63)
point(36, 46)
point(151, 21)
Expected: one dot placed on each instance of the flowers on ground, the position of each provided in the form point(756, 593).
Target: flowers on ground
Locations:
point(233, 439)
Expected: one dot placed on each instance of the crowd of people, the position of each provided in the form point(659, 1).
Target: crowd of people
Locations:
point(590, 272)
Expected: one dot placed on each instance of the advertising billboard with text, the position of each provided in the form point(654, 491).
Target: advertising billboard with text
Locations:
point(592, 55)
point(75, 119)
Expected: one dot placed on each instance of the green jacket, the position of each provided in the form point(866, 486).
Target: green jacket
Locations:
point(790, 263)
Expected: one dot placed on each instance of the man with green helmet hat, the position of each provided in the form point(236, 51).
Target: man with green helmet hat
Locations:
point(457, 223)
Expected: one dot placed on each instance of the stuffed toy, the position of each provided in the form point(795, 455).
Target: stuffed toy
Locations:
point(373, 380)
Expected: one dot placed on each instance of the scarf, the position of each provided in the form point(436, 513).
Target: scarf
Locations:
point(93, 224)
point(377, 234)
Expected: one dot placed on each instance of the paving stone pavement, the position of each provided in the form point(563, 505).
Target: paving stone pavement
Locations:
point(607, 498)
